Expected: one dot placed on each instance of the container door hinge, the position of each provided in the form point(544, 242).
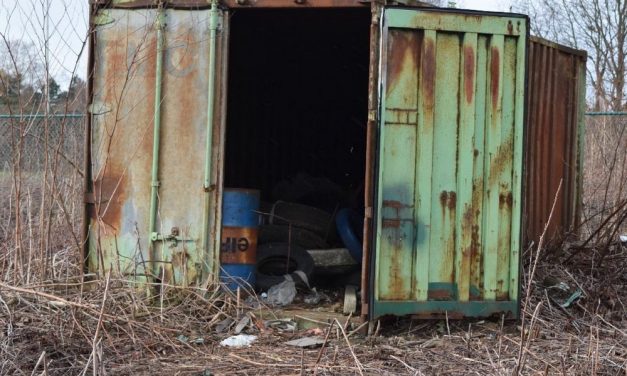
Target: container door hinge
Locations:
point(368, 212)
point(372, 115)
point(220, 22)
point(173, 237)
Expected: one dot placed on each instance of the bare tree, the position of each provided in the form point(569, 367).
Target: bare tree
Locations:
point(598, 26)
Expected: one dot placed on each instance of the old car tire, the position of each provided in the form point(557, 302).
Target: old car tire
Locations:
point(304, 216)
point(272, 259)
point(299, 236)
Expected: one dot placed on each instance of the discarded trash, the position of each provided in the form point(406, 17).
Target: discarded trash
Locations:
point(313, 297)
point(253, 301)
point(306, 342)
point(623, 238)
point(332, 261)
point(224, 325)
point(576, 295)
point(195, 341)
point(182, 338)
point(350, 300)
point(314, 332)
point(242, 323)
point(281, 324)
point(240, 340)
point(561, 293)
point(282, 294)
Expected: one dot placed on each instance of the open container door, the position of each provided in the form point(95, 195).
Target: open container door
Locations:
point(156, 138)
point(449, 164)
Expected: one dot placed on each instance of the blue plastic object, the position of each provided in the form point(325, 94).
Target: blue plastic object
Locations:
point(349, 224)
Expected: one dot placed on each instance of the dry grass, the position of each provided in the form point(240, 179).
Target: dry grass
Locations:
point(605, 181)
point(57, 328)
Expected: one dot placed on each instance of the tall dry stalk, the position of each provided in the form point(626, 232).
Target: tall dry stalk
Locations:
point(40, 184)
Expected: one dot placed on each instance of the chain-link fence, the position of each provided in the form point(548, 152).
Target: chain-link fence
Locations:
point(605, 175)
point(31, 142)
point(41, 188)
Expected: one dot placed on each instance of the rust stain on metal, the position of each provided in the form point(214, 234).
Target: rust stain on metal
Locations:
point(501, 160)
point(402, 58)
point(476, 272)
point(448, 200)
point(396, 261)
point(495, 76)
point(428, 73)
point(452, 200)
point(440, 294)
point(438, 315)
point(394, 204)
point(505, 200)
point(391, 223)
point(443, 198)
point(110, 195)
point(469, 72)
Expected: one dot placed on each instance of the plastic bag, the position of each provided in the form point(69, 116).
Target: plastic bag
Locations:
point(282, 294)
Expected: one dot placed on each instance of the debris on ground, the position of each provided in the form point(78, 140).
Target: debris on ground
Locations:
point(308, 342)
point(282, 294)
point(240, 340)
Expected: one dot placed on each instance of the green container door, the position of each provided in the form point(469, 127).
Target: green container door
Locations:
point(450, 163)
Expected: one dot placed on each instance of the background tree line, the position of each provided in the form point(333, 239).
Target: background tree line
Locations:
point(24, 83)
point(597, 26)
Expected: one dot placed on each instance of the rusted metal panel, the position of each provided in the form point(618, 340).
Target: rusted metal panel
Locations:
point(371, 147)
point(556, 84)
point(449, 163)
point(239, 4)
point(122, 121)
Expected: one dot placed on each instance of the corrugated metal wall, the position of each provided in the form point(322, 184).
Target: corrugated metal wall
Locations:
point(450, 161)
point(555, 116)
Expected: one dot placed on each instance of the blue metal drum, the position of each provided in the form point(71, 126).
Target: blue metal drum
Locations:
point(238, 250)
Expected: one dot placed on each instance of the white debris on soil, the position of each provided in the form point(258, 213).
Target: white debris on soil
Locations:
point(241, 340)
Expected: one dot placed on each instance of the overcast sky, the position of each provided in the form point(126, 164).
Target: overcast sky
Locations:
point(491, 5)
point(22, 20)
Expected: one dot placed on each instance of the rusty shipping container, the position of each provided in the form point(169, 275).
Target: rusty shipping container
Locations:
point(555, 134)
point(417, 115)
